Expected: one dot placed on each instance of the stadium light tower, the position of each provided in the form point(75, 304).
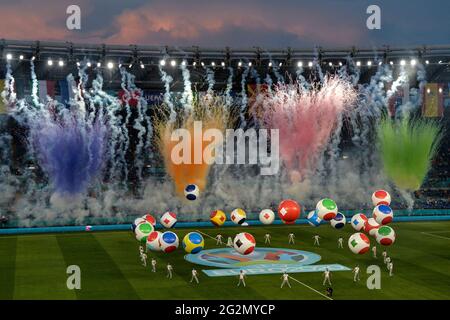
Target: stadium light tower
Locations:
point(110, 65)
point(402, 62)
point(299, 64)
point(61, 63)
point(162, 62)
point(173, 63)
point(413, 62)
point(50, 62)
point(9, 56)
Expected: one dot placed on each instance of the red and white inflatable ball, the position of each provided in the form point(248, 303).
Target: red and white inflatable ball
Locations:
point(168, 219)
point(381, 197)
point(150, 219)
point(244, 243)
point(358, 221)
point(359, 243)
point(289, 211)
point(383, 214)
point(153, 241)
point(371, 227)
point(385, 235)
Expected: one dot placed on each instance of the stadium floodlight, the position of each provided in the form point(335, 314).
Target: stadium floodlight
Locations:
point(61, 63)
point(427, 62)
point(110, 65)
point(413, 62)
point(340, 63)
point(330, 64)
point(21, 57)
point(33, 58)
point(173, 63)
point(183, 63)
point(240, 64)
point(89, 64)
point(99, 64)
point(440, 90)
point(194, 64)
point(299, 64)
point(270, 64)
point(358, 63)
point(202, 63)
point(440, 62)
point(50, 62)
point(78, 63)
point(9, 56)
point(162, 62)
point(222, 63)
point(402, 62)
point(369, 63)
point(213, 64)
point(380, 63)
point(120, 65)
point(310, 64)
point(142, 66)
point(391, 63)
point(428, 90)
point(280, 64)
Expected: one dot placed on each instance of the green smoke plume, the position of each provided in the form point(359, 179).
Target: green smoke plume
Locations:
point(407, 147)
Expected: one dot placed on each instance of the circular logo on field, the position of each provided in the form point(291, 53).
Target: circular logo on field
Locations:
point(267, 257)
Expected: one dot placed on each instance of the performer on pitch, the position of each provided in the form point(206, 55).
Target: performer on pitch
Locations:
point(316, 240)
point(374, 251)
point(267, 238)
point(169, 271)
point(144, 259)
point(291, 238)
point(229, 242)
point(356, 273)
point(285, 278)
point(327, 276)
point(241, 278)
point(219, 239)
point(153, 265)
point(194, 276)
point(341, 242)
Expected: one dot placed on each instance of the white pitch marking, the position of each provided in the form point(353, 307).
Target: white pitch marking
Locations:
point(311, 288)
point(436, 236)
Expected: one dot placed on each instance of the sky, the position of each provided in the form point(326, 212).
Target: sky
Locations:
point(219, 23)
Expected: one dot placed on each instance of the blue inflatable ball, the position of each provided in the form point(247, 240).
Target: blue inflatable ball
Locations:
point(338, 222)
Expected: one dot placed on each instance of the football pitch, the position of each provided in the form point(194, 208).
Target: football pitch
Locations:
point(34, 266)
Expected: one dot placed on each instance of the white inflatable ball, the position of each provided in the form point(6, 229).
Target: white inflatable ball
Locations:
point(238, 216)
point(266, 216)
point(371, 227)
point(381, 197)
point(168, 241)
point(383, 214)
point(313, 219)
point(358, 221)
point(168, 219)
point(191, 192)
point(153, 241)
point(136, 222)
point(385, 236)
point(244, 243)
point(326, 209)
point(338, 222)
point(359, 243)
point(142, 231)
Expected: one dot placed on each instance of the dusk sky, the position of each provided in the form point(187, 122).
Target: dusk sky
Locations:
point(264, 23)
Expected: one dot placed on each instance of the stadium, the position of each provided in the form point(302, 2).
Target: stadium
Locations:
point(137, 172)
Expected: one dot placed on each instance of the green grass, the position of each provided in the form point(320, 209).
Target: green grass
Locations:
point(34, 266)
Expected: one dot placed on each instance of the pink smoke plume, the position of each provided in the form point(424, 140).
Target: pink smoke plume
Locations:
point(306, 119)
